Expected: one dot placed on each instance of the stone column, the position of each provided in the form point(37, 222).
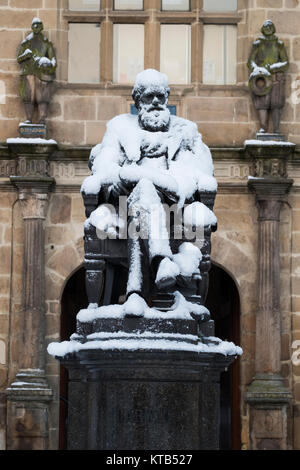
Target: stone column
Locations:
point(29, 395)
point(268, 398)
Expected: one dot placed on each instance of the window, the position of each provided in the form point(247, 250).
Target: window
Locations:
point(189, 44)
point(84, 5)
point(175, 52)
point(220, 5)
point(84, 53)
point(128, 52)
point(219, 54)
point(128, 5)
point(177, 5)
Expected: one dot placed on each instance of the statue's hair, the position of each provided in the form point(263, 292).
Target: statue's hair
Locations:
point(149, 78)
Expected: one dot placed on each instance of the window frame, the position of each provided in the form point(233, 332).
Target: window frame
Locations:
point(196, 17)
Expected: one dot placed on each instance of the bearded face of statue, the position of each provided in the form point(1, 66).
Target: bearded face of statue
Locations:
point(154, 115)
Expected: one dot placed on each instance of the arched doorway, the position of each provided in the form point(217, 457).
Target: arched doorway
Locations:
point(222, 302)
point(224, 306)
point(73, 299)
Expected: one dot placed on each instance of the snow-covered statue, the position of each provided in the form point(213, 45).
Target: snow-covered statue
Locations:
point(158, 164)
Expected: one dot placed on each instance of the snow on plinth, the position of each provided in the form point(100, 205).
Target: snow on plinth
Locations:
point(279, 143)
point(121, 340)
point(181, 309)
point(120, 343)
point(25, 140)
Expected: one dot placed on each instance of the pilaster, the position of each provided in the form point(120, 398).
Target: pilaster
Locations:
point(29, 395)
point(268, 398)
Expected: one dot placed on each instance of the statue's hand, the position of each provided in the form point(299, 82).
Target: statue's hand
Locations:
point(120, 189)
point(27, 54)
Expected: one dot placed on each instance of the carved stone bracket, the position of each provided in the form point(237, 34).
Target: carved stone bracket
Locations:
point(32, 158)
point(269, 158)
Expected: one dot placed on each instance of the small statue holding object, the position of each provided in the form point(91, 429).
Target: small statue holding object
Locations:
point(267, 62)
point(37, 57)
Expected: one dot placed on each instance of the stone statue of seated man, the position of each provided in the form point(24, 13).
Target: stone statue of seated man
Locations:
point(156, 161)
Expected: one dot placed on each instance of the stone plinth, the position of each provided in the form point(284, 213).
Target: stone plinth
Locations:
point(269, 136)
point(141, 383)
point(28, 399)
point(32, 131)
point(144, 399)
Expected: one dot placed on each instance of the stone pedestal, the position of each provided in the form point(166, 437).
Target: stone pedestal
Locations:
point(144, 400)
point(141, 383)
point(268, 398)
point(32, 131)
point(29, 394)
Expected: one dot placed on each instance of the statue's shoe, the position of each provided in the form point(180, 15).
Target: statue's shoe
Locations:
point(166, 274)
point(134, 306)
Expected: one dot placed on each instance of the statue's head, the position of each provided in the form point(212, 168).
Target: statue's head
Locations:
point(37, 25)
point(150, 94)
point(268, 28)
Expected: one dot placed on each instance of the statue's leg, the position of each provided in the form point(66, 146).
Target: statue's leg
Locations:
point(43, 111)
point(29, 96)
point(276, 116)
point(43, 98)
point(263, 119)
point(29, 109)
point(135, 275)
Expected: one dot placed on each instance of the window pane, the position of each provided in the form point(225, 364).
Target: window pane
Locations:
point(84, 53)
point(128, 4)
point(128, 52)
point(84, 5)
point(219, 54)
point(231, 54)
point(175, 52)
point(176, 5)
point(220, 5)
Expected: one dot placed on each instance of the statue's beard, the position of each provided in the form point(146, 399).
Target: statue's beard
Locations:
point(154, 119)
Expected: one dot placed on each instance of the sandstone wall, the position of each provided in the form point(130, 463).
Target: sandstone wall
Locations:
point(78, 113)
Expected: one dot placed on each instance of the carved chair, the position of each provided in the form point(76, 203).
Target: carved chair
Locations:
point(104, 259)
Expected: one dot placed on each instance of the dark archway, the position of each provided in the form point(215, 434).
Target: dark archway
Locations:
point(223, 303)
point(73, 299)
point(224, 306)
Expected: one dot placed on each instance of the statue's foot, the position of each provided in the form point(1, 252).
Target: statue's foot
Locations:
point(92, 306)
point(28, 121)
point(134, 306)
point(166, 274)
point(262, 131)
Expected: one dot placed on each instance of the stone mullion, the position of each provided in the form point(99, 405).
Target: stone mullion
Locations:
point(196, 51)
point(106, 48)
point(152, 44)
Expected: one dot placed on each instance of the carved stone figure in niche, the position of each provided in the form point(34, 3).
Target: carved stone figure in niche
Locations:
point(152, 159)
point(37, 57)
point(267, 62)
